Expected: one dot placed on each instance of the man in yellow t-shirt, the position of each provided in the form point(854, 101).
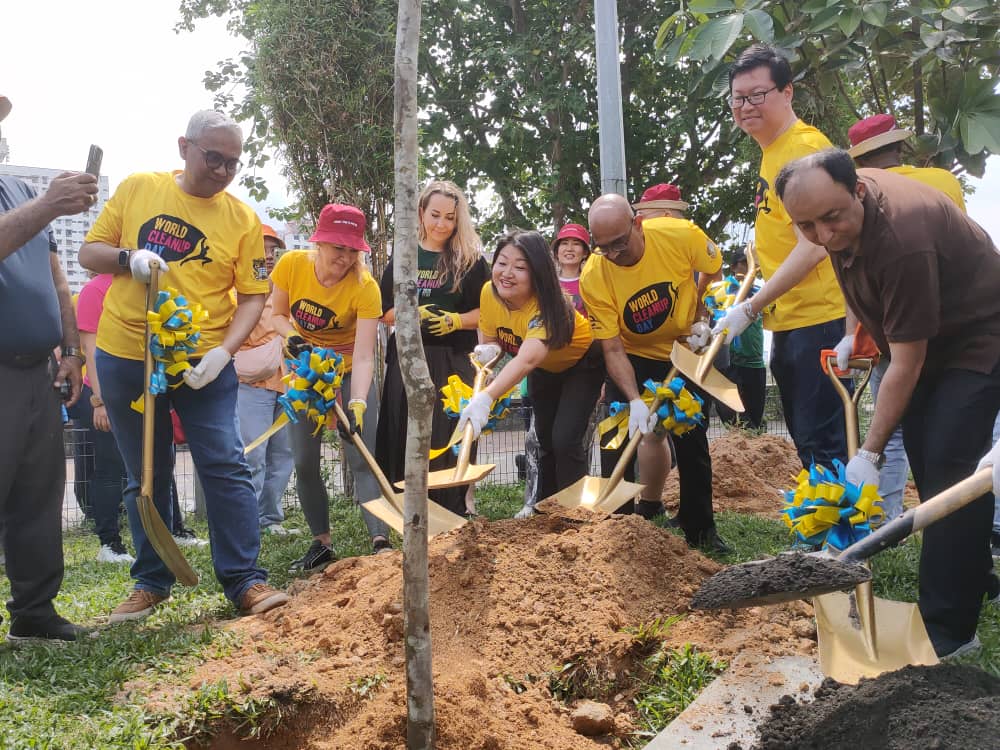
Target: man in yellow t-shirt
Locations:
point(206, 243)
point(641, 296)
point(809, 311)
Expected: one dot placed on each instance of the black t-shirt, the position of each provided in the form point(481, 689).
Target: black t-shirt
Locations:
point(434, 288)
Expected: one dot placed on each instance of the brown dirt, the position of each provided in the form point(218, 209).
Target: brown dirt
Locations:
point(749, 474)
point(511, 602)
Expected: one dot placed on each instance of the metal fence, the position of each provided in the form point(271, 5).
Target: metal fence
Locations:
point(500, 447)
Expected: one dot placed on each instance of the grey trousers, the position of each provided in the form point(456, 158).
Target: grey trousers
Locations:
point(32, 482)
point(313, 498)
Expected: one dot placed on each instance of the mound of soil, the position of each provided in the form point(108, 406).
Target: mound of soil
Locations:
point(749, 473)
point(946, 706)
point(520, 610)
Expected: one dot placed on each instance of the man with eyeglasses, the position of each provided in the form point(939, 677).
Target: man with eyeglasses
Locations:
point(809, 312)
point(641, 295)
point(206, 244)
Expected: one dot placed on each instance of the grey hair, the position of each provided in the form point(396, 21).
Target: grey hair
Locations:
point(208, 119)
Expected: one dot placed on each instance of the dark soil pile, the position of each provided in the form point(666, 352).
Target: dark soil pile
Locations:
point(931, 708)
point(515, 605)
point(789, 576)
point(749, 473)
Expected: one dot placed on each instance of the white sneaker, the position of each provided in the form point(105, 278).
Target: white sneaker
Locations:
point(107, 554)
point(278, 530)
point(966, 648)
point(186, 538)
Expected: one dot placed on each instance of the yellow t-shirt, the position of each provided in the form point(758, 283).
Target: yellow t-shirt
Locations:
point(941, 179)
point(511, 328)
point(817, 298)
point(326, 316)
point(211, 246)
point(653, 302)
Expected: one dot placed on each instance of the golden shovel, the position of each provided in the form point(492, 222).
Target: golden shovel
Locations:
point(389, 506)
point(859, 634)
point(156, 531)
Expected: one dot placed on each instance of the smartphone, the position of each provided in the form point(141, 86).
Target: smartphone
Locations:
point(94, 159)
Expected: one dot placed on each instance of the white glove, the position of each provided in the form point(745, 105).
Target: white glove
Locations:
point(844, 348)
point(527, 511)
point(209, 368)
point(736, 320)
point(701, 336)
point(992, 459)
point(476, 413)
point(141, 261)
point(639, 417)
point(862, 471)
point(486, 353)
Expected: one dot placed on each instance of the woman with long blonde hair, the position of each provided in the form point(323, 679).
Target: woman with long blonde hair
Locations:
point(450, 274)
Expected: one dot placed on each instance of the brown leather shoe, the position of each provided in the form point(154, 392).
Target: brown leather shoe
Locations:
point(260, 598)
point(138, 606)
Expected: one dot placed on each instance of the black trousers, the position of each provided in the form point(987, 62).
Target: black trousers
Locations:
point(32, 480)
point(563, 403)
point(694, 464)
point(947, 428)
point(752, 385)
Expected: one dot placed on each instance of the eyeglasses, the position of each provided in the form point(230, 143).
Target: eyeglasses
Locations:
point(214, 160)
point(615, 246)
point(737, 102)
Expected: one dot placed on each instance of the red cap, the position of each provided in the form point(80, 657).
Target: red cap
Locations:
point(873, 133)
point(340, 224)
point(269, 232)
point(574, 232)
point(4, 106)
point(662, 196)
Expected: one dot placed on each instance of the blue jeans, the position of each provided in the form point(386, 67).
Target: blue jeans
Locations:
point(892, 477)
point(271, 463)
point(209, 419)
point(814, 413)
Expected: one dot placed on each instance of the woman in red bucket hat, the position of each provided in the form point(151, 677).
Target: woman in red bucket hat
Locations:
point(325, 297)
point(571, 249)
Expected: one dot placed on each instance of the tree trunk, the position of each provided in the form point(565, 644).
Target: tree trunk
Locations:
point(419, 391)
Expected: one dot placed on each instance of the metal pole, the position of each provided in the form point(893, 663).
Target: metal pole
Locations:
point(609, 98)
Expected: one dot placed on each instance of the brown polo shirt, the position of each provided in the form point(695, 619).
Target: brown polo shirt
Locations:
point(923, 270)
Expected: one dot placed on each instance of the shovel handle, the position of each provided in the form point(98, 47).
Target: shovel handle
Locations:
point(708, 357)
point(148, 399)
point(483, 371)
point(380, 478)
point(629, 453)
point(943, 504)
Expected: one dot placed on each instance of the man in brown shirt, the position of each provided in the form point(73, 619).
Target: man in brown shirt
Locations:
point(922, 278)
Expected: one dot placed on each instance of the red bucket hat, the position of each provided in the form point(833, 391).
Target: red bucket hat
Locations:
point(662, 196)
point(574, 232)
point(269, 232)
point(340, 224)
point(873, 133)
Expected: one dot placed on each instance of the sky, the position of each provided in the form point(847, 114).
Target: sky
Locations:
point(132, 84)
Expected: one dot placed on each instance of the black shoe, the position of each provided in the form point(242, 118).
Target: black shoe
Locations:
point(649, 509)
point(709, 541)
point(672, 523)
point(317, 557)
point(51, 629)
point(381, 545)
point(992, 588)
point(995, 543)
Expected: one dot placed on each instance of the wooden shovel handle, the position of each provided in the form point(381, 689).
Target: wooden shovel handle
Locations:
point(376, 471)
point(707, 359)
point(148, 399)
point(943, 504)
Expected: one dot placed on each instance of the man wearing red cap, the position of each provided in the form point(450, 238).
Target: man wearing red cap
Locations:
point(37, 315)
point(641, 296)
point(661, 200)
point(809, 312)
point(259, 367)
point(206, 244)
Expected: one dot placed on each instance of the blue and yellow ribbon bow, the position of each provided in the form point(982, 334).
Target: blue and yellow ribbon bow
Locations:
point(679, 411)
point(175, 329)
point(455, 397)
point(720, 296)
point(825, 510)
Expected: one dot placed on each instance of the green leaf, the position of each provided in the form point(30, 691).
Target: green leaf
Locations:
point(710, 6)
point(825, 19)
point(980, 132)
point(716, 37)
point(874, 14)
point(761, 25)
point(849, 22)
point(665, 28)
point(813, 6)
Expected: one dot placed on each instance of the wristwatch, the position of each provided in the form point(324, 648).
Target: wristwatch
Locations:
point(123, 257)
point(74, 351)
point(96, 400)
point(875, 459)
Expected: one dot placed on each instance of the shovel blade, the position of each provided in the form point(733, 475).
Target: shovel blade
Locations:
point(711, 381)
point(844, 653)
point(444, 478)
point(586, 493)
point(163, 542)
point(784, 578)
point(439, 520)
